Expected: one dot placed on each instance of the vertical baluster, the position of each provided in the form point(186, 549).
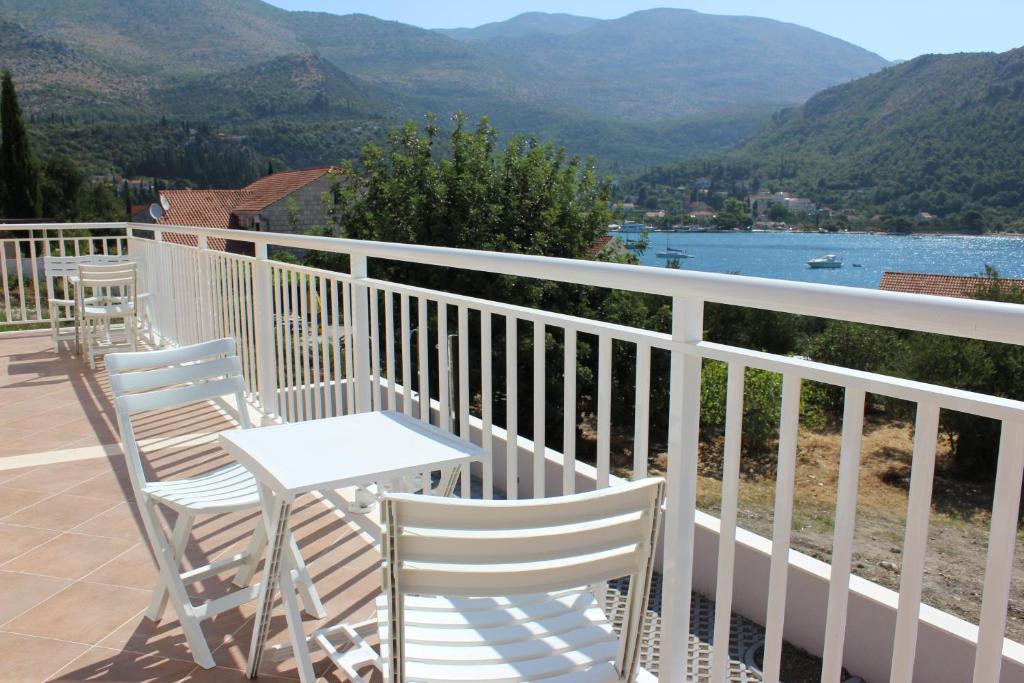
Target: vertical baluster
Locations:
point(375, 371)
point(487, 402)
point(324, 324)
point(915, 543)
point(308, 412)
point(464, 431)
point(389, 330)
point(539, 397)
point(296, 344)
point(21, 279)
point(604, 410)
point(248, 318)
point(35, 272)
point(406, 357)
point(511, 408)
point(444, 413)
point(569, 415)
point(350, 389)
point(842, 542)
point(336, 339)
point(641, 410)
point(315, 334)
point(288, 332)
point(727, 530)
point(277, 316)
point(422, 338)
point(1002, 541)
point(240, 332)
point(782, 520)
point(6, 285)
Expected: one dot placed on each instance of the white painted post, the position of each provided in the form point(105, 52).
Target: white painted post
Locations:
point(263, 319)
point(683, 424)
point(361, 334)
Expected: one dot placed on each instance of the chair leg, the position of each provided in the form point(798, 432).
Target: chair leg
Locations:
point(179, 539)
point(54, 325)
point(132, 333)
point(178, 597)
point(311, 604)
point(255, 551)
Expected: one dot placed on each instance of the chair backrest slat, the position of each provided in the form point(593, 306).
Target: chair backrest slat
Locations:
point(462, 548)
point(154, 380)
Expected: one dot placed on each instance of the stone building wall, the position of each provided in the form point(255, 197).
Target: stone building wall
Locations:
point(309, 199)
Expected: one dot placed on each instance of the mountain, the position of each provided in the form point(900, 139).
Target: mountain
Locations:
point(940, 133)
point(648, 88)
point(295, 86)
point(523, 25)
point(670, 63)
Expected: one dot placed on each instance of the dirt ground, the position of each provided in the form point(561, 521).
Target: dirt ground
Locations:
point(958, 530)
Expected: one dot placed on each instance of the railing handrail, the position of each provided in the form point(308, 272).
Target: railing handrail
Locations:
point(985, 320)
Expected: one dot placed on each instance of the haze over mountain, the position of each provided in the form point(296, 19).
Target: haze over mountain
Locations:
point(647, 88)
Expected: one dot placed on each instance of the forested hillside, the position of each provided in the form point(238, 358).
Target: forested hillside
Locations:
point(649, 88)
point(943, 134)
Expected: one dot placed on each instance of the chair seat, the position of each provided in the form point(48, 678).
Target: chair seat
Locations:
point(227, 489)
point(563, 637)
point(69, 302)
point(110, 310)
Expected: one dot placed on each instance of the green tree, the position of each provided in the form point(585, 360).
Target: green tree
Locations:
point(734, 214)
point(18, 168)
point(778, 212)
point(99, 203)
point(62, 183)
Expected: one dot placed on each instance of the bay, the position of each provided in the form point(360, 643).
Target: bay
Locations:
point(784, 255)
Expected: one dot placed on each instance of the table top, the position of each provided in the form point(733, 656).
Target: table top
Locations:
point(344, 451)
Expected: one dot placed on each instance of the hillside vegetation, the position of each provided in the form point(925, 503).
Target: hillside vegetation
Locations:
point(940, 133)
point(649, 88)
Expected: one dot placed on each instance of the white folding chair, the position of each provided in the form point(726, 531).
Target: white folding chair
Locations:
point(171, 378)
point(481, 590)
point(112, 288)
point(61, 269)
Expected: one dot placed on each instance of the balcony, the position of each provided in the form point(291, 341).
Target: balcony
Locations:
point(76, 571)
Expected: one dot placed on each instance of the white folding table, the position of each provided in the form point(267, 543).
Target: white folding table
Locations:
point(324, 455)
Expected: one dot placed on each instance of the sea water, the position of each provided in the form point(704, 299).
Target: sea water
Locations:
point(865, 257)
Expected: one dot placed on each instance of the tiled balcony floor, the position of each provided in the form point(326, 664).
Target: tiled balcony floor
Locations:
point(75, 572)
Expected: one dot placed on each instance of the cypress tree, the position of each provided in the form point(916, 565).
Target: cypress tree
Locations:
point(18, 169)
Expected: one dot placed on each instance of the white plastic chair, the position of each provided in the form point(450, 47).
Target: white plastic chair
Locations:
point(170, 378)
point(112, 287)
point(60, 268)
point(481, 590)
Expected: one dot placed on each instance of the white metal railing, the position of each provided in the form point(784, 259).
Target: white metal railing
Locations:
point(24, 285)
point(317, 343)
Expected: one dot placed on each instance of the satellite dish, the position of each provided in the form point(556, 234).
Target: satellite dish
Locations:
point(164, 203)
point(156, 211)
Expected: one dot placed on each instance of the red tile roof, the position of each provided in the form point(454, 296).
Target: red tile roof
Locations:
point(200, 208)
point(215, 243)
point(599, 245)
point(276, 186)
point(959, 286)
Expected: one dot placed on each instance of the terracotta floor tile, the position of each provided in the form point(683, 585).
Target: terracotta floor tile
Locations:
point(70, 555)
point(116, 486)
point(61, 512)
point(10, 475)
point(15, 540)
point(166, 639)
point(21, 592)
point(134, 568)
point(14, 499)
point(120, 521)
point(62, 476)
point(27, 659)
point(223, 675)
point(83, 612)
point(102, 664)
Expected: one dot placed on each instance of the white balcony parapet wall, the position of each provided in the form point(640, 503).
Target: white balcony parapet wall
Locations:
point(317, 343)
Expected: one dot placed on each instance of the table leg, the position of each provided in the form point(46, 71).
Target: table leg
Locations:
point(276, 512)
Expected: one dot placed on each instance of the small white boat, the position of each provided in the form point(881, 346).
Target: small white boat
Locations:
point(673, 252)
point(826, 261)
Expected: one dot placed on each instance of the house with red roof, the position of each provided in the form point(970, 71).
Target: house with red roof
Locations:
point(285, 201)
point(958, 286)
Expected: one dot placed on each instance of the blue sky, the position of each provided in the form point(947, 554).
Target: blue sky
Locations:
point(895, 29)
